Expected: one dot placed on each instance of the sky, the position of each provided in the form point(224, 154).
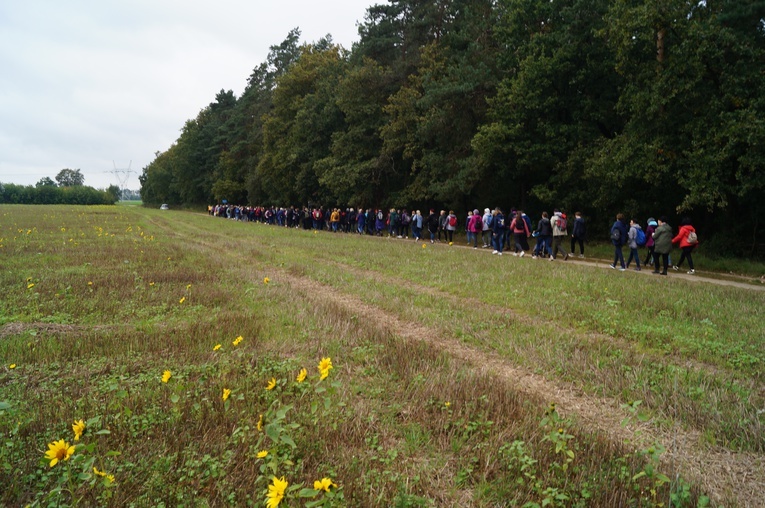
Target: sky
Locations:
point(104, 85)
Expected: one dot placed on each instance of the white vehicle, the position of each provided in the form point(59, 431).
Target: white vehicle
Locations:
point(164, 207)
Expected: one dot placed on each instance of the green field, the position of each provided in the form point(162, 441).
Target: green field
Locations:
point(459, 378)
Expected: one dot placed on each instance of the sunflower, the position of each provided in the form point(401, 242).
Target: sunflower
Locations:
point(166, 376)
point(58, 450)
point(323, 484)
point(324, 367)
point(271, 384)
point(276, 492)
point(262, 454)
point(301, 375)
point(78, 427)
point(226, 393)
point(238, 340)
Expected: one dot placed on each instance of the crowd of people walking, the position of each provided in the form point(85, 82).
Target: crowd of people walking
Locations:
point(492, 229)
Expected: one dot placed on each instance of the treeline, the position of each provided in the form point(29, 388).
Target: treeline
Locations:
point(636, 106)
point(52, 195)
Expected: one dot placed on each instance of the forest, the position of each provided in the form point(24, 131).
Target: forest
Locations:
point(644, 107)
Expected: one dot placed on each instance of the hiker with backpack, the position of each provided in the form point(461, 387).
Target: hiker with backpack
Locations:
point(688, 240)
point(475, 227)
point(635, 238)
point(544, 237)
point(618, 239)
point(520, 232)
point(559, 232)
point(450, 226)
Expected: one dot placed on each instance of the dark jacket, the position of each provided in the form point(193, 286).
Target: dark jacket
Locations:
point(622, 233)
point(544, 227)
point(662, 239)
point(579, 229)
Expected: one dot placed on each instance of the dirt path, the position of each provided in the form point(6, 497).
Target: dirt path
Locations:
point(725, 475)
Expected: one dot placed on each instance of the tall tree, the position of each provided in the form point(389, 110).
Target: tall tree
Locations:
point(70, 178)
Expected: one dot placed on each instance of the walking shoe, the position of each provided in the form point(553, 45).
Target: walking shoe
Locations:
point(552, 258)
point(432, 241)
point(523, 253)
point(675, 267)
point(663, 273)
point(534, 257)
point(622, 269)
point(495, 252)
point(500, 253)
point(612, 266)
point(475, 248)
point(581, 256)
point(515, 254)
point(691, 272)
point(637, 269)
point(565, 258)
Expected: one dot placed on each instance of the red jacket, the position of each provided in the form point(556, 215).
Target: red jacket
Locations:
point(682, 237)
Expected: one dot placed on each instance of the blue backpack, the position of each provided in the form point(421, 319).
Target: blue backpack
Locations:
point(640, 238)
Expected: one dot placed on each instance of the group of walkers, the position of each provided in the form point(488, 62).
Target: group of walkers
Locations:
point(657, 239)
point(491, 228)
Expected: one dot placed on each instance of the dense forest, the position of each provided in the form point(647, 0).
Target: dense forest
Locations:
point(645, 107)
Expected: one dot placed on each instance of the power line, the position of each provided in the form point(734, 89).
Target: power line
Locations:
point(122, 175)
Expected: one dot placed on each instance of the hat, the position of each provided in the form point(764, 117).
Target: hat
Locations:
point(652, 221)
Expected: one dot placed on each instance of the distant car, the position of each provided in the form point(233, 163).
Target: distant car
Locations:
point(164, 207)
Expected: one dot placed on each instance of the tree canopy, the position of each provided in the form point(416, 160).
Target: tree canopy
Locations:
point(636, 106)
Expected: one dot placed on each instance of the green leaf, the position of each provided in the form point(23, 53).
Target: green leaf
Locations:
point(288, 441)
point(174, 399)
point(102, 432)
point(308, 493)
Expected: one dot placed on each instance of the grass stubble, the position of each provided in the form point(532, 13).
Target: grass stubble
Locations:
point(416, 425)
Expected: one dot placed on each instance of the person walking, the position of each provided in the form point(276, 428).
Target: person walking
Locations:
point(544, 237)
point(450, 227)
point(559, 232)
point(618, 239)
point(649, 230)
point(433, 228)
point(687, 240)
point(498, 231)
point(662, 245)
point(486, 227)
point(578, 234)
point(633, 241)
point(520, 232)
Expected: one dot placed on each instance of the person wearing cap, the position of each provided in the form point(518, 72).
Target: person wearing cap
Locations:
point(650, 228)
point(662, 245)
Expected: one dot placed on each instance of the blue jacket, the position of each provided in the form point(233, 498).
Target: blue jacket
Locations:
point(622, 233)
point(498, 224)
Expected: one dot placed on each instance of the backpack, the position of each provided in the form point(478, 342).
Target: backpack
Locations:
point(640, 238)
point(692, 238)
point(562, 224)
point(616, 235)
point(380, 216)
point(489, 221)
point(453, 221)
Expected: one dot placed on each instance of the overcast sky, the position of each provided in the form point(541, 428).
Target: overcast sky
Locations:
point(91, 85)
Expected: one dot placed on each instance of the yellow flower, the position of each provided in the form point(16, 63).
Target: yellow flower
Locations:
point(424, 246)
point(217, 347)
point(260, 423)
point(58, 450)
point(78, 427)
point(324, 367)
point(110, 477)
point(151, 283)
point(90, 283)
point(447, 404)
point(166, 376)
point(451, 243)
point(188, 286)
point(301, 375)
point(12, 366)
point(30, 285)
point(97, 472)
point(271, 384)
point(266, 280)
point(182, 300)
point(276, 492)
point(262, 454)
point(238, 340)
point(323, 484)
point(226, 393)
